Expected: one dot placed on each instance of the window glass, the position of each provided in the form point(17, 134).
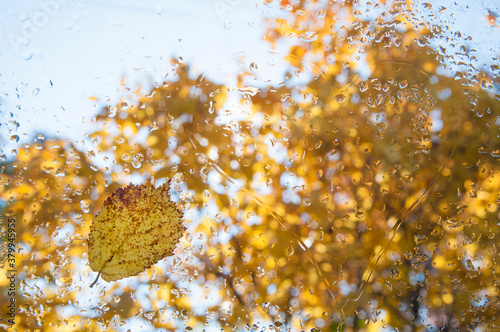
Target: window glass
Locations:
point(286, 165)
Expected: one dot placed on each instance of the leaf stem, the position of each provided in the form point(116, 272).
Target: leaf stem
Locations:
point(92, 284)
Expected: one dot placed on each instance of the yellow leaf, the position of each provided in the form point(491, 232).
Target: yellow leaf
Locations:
point(137, 226)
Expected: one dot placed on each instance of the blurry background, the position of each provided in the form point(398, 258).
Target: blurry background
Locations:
point(337, 162)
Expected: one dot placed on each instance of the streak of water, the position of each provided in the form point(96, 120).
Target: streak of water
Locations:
point(370, 269)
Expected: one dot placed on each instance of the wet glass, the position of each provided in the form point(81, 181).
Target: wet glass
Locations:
point(336, 163)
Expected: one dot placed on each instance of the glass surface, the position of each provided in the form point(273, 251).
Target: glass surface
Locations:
point(337, 165)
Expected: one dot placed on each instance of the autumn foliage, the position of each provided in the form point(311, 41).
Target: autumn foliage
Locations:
point(361, 191)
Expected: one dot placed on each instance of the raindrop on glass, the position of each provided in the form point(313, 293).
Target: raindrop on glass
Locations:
point(137, 160)
point(85, 205)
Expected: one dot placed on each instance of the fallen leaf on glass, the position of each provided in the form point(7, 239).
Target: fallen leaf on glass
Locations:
point(137, 226)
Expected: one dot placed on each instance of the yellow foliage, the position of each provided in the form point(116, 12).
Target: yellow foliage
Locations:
point(360, 186)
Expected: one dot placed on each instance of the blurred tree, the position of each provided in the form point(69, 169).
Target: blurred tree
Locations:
point(366, 197)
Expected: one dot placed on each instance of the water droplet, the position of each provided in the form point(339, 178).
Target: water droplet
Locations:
point(363, 86)
point(291, 250)
point(211, 108)
point(61, 170)
point(112, 111)
point(170, 118)
point(454, 223)
point(360, 214)
point(14, 138)
point(419, 239)
point(340, 97)
point(65, 281)
point(238, 281)
point(395, 273)
point(85, 205)
point(345, 64)
point(137, 160)
point(48, 169)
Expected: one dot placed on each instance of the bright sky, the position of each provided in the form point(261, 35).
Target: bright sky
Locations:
point(57, 53)
point(54, 54)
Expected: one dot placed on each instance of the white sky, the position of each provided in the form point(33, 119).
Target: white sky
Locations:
point(85, 47)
